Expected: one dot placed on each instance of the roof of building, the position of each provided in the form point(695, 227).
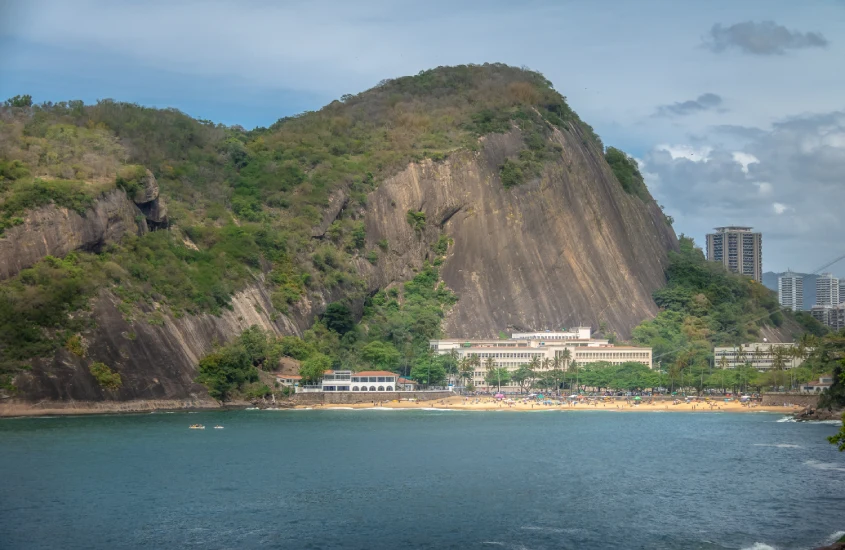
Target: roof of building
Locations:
point(605, 348)
point(291, 376)
point(374, 373)
point(403, 380)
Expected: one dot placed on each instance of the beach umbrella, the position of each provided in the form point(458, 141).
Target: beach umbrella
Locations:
point(638, 398)
point(499, 395)
point(540, 396)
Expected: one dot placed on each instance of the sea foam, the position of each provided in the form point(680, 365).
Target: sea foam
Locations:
point(827, 466)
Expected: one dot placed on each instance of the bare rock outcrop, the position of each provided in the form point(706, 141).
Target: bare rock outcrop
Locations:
point(150, 202)
point(55, 231)
point(155, 360)
point(568, 248)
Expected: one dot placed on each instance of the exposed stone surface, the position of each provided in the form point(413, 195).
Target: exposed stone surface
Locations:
point(337, 202)
point(568, 248)
point(55, 231)
point(150, 202)
point(149, 191)
point(154, 361)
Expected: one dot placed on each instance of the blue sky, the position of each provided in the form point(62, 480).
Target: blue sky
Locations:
point(735, 110)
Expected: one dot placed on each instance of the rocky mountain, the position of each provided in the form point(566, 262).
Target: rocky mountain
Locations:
point(477, 180)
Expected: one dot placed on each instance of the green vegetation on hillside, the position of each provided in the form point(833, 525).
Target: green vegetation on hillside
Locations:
point(703, 306)
point(627, 172)
point(105, 377)
point(393, 335)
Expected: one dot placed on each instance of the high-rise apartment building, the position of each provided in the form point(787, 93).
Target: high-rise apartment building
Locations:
point(832, 316)
point(791, 291)
point(827, 290)
point(739, 249)
point(842, 291)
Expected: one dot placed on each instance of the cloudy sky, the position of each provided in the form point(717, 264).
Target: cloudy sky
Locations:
point(735, 110)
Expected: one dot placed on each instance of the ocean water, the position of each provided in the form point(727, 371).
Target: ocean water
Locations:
point(386, 479)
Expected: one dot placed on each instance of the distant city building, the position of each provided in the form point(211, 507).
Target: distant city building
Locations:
point(841, 291)
point(827, 290)
point(831, 316)
point(524, 347)
point(760, 356)
point(739, 249)
point(791, 291)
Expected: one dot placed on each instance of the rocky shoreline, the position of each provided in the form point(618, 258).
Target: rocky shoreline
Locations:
point(811, 414)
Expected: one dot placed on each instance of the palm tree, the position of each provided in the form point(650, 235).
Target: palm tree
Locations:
point(489, 365)
point(452, 364)
point(756, 355)
point(465, 368)
point(566, 357)
point(778, 362)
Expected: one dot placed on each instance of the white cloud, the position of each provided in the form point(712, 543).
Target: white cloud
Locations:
point(791, 192)
point(744, 159)
point(687, 152)
point(763, 187)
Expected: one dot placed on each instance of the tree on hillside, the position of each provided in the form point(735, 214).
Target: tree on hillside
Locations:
point(338, 318)
point(381, 355)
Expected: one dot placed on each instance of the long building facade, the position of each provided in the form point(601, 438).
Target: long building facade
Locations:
point(791, 291)
point(760, 356)
point(522, 348)
point(739, 249)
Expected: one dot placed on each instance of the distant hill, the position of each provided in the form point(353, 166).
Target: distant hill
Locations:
point(770, 280)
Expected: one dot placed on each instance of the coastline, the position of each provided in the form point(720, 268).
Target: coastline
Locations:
point(74, 408)
point(456, 403)
point(487, 404)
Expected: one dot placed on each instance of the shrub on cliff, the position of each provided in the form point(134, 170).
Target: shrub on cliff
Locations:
point(106, 377)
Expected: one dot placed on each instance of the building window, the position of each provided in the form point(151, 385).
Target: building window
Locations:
point(381, 388)
point(389, 388)
point(372, 388)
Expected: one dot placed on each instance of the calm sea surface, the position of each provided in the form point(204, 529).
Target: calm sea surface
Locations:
point(419, 479)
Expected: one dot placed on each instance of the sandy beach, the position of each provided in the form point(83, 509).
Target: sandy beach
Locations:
point(620, 405)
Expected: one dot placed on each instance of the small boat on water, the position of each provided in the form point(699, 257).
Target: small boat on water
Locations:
point(218, 427)
point(196, 427)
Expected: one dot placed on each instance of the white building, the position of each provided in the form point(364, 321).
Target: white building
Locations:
point(824, 382)
point(578, 333)
point(791, 291)
point(760, 356)
point(515, 352)
point(290, 380)
point(346, 380)
point(827, 290)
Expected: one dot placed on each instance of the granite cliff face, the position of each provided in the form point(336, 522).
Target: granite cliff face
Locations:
point(569, 247)
point(55, 231)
